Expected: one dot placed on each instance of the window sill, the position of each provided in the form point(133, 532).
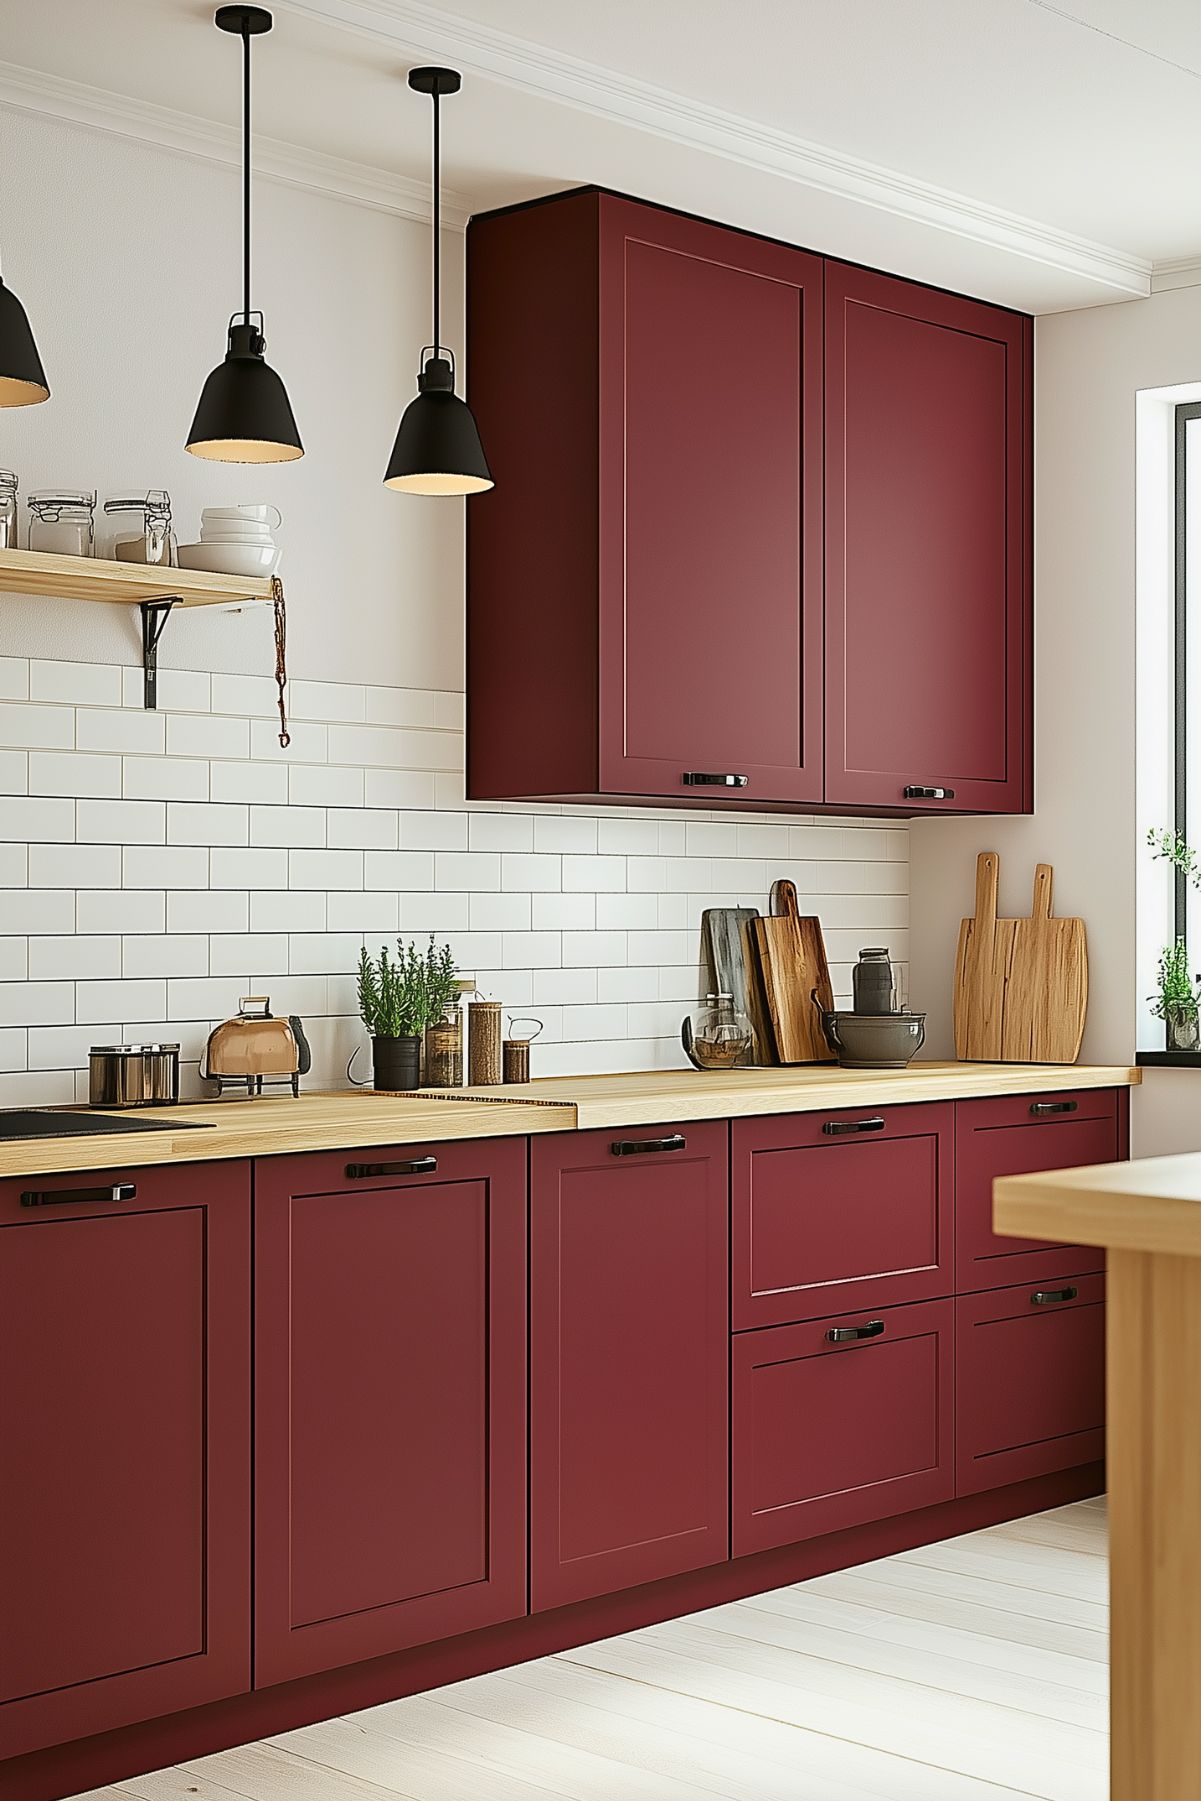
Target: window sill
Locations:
point(1168, 1059)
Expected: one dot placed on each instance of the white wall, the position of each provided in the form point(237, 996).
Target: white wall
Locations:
point(157, 866)
point(1089, 367)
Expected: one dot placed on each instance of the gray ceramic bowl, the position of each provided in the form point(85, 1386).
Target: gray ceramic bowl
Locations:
point(875, 1040)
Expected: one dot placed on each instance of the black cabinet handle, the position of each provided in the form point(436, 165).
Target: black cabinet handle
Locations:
point(415, 1166)
point(929, 793)
point(1051, 1297)
point(64, 1197)
point(840, 1128)
point(698, 778)
point(640, 1147)
point(847, 1334)
point(1041, 1107)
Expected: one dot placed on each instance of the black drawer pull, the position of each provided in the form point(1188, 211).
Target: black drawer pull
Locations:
point(416, 1166)
point(698, 778)
point(847, 1334)
point(640, 1147)
point(63, 1197)
point(840, 1128)
point(1051, 1297)
point(1039, 1108)
point(929, 793)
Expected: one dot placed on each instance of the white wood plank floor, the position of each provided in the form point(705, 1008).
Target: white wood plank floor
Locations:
point(972, 1670)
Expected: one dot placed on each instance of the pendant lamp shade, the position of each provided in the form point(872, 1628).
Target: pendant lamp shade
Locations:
point(22, 378)
point(244, 415)
point(437, 449)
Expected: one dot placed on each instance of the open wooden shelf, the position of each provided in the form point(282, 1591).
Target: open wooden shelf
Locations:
point(95, 578)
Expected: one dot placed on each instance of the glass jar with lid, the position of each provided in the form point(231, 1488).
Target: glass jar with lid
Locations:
point(8, 509)
point(62, 521)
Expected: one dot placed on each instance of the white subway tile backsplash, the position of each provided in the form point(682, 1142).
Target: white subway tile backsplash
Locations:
point(71, 773)
point(205, 823)
point(178, 858)
point(121, 822)
point(29, 910)
point(63, 958)
point(163, 778)
point(38, 1088)
point(37, 728)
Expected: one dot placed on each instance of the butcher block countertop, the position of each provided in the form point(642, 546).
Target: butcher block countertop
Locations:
point(277, 1125)
point(1152, 1205)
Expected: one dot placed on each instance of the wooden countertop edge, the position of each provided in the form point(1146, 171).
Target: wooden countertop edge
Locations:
point(276, 1126)
point(1151, 1205)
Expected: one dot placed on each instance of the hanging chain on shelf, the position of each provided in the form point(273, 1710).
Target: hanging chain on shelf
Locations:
point(281, 657)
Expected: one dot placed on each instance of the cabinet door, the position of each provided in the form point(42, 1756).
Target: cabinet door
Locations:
point(831, 1432)
point(124, 1448)
point(629, 1336)
point(1016, 1136)
point(710, 528)
point(390, 1400)
point(928, 558)
point(1031, 1381)
point(829, 1208)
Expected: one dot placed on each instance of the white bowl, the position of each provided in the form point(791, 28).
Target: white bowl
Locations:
point(247, 515)
point(230, 559)
point(234, 534)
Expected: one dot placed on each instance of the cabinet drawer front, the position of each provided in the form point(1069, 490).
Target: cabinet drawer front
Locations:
point(124, 1467)
point(680, 302)
point(390, 1403)
point(629, 1347)
point(840, 1210)
point(1018, 1136)
point(832, 1434)
point(1030, 1392)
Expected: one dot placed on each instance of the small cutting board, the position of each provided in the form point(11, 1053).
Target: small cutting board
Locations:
point(1021, 985)
point(792, 960)
point(731, 958)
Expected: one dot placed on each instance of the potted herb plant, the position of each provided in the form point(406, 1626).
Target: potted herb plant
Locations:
point(398, 998)
point(1176, 1000)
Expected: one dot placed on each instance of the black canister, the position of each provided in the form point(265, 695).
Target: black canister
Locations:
point(871, 981)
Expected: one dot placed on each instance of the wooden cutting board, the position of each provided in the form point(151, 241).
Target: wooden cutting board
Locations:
point(732, 960)
point(792, 960)
point(1021, 985)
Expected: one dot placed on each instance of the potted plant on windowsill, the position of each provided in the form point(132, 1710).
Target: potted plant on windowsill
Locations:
point(398, 998)
point(1176, 1000)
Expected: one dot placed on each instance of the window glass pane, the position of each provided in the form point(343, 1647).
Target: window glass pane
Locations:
point(1192, 670)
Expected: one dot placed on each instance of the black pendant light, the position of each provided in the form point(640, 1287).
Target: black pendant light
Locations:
point(22, 378)
point(244, 414)
point(437, 449)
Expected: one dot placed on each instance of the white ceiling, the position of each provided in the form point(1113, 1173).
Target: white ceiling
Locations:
point(1045, 153)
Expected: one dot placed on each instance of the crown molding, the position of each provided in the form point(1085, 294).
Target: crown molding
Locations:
point(415, 28)
point(1175, 272)
point(29, 90)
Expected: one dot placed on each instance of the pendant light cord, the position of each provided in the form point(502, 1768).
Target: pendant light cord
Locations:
point(437, 230)
point(246, 175)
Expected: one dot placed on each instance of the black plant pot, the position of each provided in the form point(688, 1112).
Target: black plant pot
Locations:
point(396, 1063)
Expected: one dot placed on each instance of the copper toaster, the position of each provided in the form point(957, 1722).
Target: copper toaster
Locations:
point(256, 1048)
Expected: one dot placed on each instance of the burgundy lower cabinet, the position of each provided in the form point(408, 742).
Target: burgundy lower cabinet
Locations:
point(124, 1448)
point(831, 1208)
point(629, 1323)
point(1030, 1380)
point(1018, 1135)
point(840, 1421)
point(390, 1399)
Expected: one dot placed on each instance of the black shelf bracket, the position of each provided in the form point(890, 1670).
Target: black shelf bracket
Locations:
point(155, 614)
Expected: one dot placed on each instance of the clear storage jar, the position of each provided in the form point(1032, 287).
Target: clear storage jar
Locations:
point(63, 522)
point(8, 510)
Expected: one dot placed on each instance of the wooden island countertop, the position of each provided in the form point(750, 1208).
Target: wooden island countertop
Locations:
point(279, 1125)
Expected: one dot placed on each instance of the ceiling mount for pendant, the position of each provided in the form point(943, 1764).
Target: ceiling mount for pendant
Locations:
point(437, 449)
point(244, 415)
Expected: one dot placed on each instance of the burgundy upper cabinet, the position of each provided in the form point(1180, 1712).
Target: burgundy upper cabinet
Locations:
point(390, 1400)
point(125, 1467)
point(761, 531)
point(629, 1348)
point(645, 583)
point(928, 473)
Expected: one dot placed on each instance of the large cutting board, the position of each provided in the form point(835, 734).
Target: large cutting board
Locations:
point(1021, 985)
point(792, 961)
point(732, 960)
